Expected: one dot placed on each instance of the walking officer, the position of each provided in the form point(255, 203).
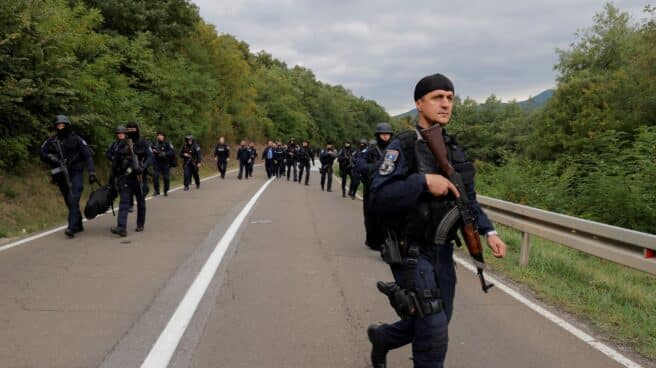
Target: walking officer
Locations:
point(163, 154)
point(67, 153)
point(303, 157)
point(130, 162)
point(279, 160)
point(243, 156)
point(191, 157)
point(345, 160)
point(253, 156)
point(268, 157)
point(222, 155)
point(327, 158)
point(290, 158)
point(411, 195)
point(368, 161)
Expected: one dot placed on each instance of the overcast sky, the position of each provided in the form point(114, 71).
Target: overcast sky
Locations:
point(380, 49)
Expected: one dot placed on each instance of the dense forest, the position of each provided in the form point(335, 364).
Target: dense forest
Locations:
point(107, 62)
point(591, 150)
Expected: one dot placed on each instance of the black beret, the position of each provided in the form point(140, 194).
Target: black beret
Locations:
point(431, 83)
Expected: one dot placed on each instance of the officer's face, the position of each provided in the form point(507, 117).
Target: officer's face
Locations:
point(60, 126)
point(160, 138)
point(221, 140)
point(385, 137)
point(436, 107)
point(132, 130)
point(120, 136)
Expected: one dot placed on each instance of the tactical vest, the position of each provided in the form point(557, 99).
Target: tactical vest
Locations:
point(420, 224)
point(70, 146)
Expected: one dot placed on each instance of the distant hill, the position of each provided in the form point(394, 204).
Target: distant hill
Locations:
point(532, 103)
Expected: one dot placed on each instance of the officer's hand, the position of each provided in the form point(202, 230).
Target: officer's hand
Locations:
point(187, 155)
point(497, 246)
point(93, 178)
point(53, 158)
point(198, 165)
point(439, 186)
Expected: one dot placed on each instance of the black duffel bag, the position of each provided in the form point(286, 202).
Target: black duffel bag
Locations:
point(99, 201)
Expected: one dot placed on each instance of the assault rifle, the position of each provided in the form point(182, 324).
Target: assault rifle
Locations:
point(462, 211)
point(136, 167)
point(63, 168)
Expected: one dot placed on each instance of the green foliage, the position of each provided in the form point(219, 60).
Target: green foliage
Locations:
point(104, 63)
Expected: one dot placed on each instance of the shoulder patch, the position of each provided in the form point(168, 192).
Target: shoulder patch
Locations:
point(388, 164)
point(391, 155)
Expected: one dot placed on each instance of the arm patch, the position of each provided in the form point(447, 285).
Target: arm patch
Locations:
point(389, 162)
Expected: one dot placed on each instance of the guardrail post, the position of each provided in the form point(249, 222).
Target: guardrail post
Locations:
point(526, 247)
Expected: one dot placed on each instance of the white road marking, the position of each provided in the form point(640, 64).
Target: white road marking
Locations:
point(164, 348)
point(52, 231)
point(596, 344)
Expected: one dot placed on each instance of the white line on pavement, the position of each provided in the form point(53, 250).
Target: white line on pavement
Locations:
point(164, 348)
point(596, 344)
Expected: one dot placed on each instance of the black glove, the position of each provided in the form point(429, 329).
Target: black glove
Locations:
point(139, 170)
point(93, 178)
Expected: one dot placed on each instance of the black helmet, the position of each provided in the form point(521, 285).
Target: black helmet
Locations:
point(189, 137)
point(382, 128)
point(121, 129)
point(62, 119)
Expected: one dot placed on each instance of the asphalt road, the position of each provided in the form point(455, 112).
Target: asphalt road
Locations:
point(295, 289)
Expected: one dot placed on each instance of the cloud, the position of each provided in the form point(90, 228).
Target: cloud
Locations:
point(379, 49)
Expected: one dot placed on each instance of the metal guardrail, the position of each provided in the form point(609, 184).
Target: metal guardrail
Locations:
point(623, 246)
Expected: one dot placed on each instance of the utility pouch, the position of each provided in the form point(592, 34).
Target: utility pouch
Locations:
point(391, 250)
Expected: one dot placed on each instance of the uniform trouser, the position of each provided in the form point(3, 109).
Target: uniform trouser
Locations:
point(290, 164)
point(327, 173)
point(190, 169)
point(128, 187)
point(72, 202)
point(429, 335)
point(277, 168)
point(161, 168)
point(355, 183)
point(249, 167)
point(269, 167)
point(243, 169)
point(344, 174)
point(222, 166)
point(373, 235)
point(304, 167)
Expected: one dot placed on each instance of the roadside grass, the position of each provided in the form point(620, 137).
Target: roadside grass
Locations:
point(31, 203)
point(617, 301)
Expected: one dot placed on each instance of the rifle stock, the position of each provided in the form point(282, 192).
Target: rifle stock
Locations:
point(434, 139)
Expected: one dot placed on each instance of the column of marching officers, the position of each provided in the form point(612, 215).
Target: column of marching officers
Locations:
point(132, 158)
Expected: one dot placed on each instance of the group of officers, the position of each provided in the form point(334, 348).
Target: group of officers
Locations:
point(406, 196)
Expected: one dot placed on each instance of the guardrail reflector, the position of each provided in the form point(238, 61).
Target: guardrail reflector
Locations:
point(649, 253)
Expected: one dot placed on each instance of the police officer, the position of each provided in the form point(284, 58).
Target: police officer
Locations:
point(279, 160)
point(290, 157)
point(303, 156)
point(411, 196)
point(163, 154)
point(130, 162)
point(243, 156)
point(345, 161)
point(222, 155)
point(368, 161)
point(355, 173)
point(191, 157)
point(253, 156)
point(268, 157)
point(327, 158)
point(67, 153)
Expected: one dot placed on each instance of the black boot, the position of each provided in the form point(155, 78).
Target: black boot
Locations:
point(119, 231)
point(378, 353)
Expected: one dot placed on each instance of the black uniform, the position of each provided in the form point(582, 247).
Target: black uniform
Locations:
point(303, 156)
point(368, 162)
point(127, 175)
point(327, 159)
point(222, 153)
point(253, 152)
point(279, 161)
point(190, 164)
point(163, 154)
point(290, 160)
point(243, 156)
point(345, 160)
point(68, 150)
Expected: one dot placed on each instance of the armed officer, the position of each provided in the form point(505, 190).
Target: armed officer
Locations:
point(268, 157)
point(290, 158)
point(222, 155)
point(191, 157)
point(327, 159)
point(411, 195)
point(67, 153)
point(345, 161)
point(303, 154)
point(279, 160)
point(131, 160)
point(163, 154)
point(253, 156)
point(355, 173)
point(368, 162)
point(243, 156)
